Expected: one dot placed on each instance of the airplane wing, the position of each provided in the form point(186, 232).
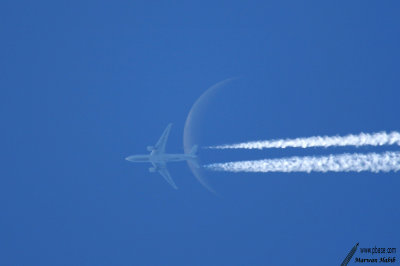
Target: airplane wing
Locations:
point(162, 169)
point(160, 146)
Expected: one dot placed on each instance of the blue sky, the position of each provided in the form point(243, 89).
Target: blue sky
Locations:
point(85, 84)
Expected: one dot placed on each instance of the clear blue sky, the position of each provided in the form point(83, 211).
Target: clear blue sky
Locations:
point(86, 83)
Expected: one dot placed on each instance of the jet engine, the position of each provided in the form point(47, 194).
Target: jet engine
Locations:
point(150, 148)
point(152, 169)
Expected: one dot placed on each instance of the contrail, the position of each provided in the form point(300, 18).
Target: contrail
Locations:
point(371, 162)
point(363, 139)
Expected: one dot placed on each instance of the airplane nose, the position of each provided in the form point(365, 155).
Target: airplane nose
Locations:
point(127, 158)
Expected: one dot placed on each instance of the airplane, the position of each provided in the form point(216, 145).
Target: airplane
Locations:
point(158, 158)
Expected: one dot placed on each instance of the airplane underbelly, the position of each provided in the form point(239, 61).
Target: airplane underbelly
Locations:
point(175, 158)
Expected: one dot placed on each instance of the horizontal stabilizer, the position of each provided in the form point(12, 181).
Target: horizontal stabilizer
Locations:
point(195, 163)
point(193, 151)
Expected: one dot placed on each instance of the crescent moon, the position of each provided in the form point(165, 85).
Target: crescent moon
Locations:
point(188, 140)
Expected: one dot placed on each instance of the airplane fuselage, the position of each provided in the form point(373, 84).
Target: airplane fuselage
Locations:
point(160, 158)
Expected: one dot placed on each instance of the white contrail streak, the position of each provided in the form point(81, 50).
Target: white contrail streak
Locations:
point(371, 162)
point(363, 139)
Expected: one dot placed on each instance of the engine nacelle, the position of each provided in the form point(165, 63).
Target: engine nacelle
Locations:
point(152, 169)
point(150, 148)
